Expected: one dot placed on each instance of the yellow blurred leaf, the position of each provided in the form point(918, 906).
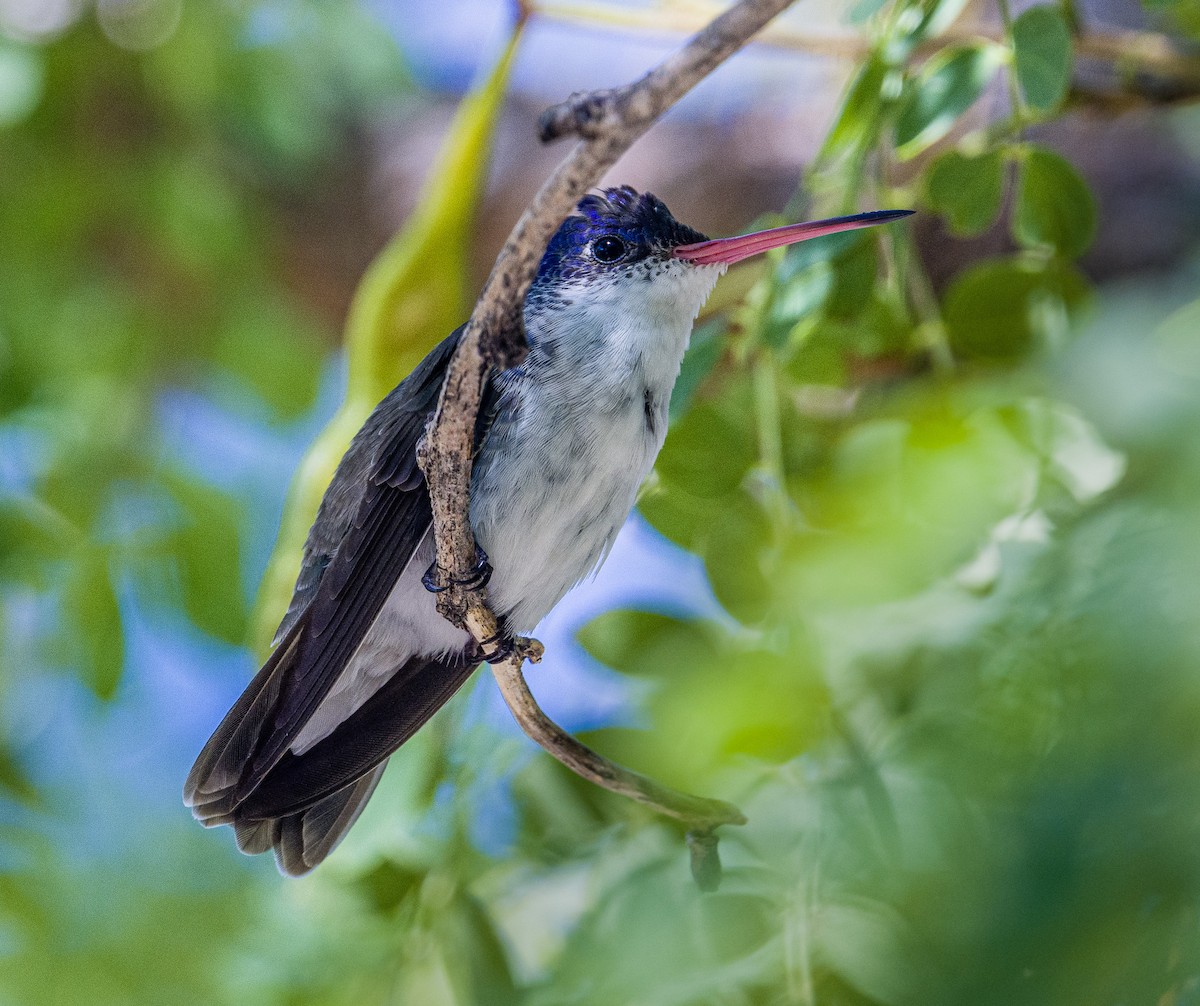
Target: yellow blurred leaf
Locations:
point(411, 297)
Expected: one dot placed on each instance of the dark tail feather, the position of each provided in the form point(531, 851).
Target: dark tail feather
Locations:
point(214, 778)
point(306, 803)
point(405, 702)
point(304, 839)
point(254, 837)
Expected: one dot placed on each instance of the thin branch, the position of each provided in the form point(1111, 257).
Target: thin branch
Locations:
point(700, 813)
point(608, 123)
point(1135, 67)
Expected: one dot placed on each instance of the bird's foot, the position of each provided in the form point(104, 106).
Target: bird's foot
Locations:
point(477, 579)
point(501, 646)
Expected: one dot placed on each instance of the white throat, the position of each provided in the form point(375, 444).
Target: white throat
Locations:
point(626, 334)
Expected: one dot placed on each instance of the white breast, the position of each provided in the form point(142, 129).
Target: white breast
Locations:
point(578, 430)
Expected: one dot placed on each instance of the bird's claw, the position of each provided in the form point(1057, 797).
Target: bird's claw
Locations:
point(477, 579)
point(504, 646)
point(507, 645)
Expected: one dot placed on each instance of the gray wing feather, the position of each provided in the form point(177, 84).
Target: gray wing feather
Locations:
point(416, 394)
point(410, 696)
point(365, 534)
point(305, 803)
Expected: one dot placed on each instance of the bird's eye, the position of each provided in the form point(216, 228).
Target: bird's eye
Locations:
point(608, 249)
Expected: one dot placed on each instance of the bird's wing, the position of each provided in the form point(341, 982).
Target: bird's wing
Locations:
point(384, 514)
point(404, 703)
point(306, 803)
point(414, 397)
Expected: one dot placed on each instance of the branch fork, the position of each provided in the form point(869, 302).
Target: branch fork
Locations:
point(607, 123)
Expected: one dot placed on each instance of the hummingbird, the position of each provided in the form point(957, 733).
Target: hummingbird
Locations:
point(362, 658)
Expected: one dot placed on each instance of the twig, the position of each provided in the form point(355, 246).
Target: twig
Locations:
point(1135, 67)
point(700, 813)
point(608, 123)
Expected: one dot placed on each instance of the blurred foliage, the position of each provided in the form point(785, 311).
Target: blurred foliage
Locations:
point(951, 530)
point(143, 249)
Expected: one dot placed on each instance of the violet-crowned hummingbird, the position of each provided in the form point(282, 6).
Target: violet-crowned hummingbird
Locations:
point(362, 658)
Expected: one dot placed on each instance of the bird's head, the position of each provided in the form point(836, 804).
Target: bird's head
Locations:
point(623, 250)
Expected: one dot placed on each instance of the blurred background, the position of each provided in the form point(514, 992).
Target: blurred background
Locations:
point(916, 581)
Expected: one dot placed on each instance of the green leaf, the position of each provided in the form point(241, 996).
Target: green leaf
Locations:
point(91, 602)
point(31, 533)
point(646, 642)
point(734, 555)
point(870, 947)
point(790, 722)
point(920, 21)
point(714, 703)
point(651, 937)
point(855, 273)
point(387, 884)
point(1184, 14)
point(993, 310)
point(706, 454)
point(207, 548)
point(677, 515)
point(800, 297)
point(821, 251)
point(966, 190)
point(864, 10)
point(14, 783)
point(944, 88)
point(478, 956)
point(275, 349)
point(819, 359)
point(881, 328)
point(1042, 56)
point(704, 350)
point(1054, 205)
point(858, 122)
point(1072, 452)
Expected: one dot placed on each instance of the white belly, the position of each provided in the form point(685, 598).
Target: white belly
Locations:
point(548, 500)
